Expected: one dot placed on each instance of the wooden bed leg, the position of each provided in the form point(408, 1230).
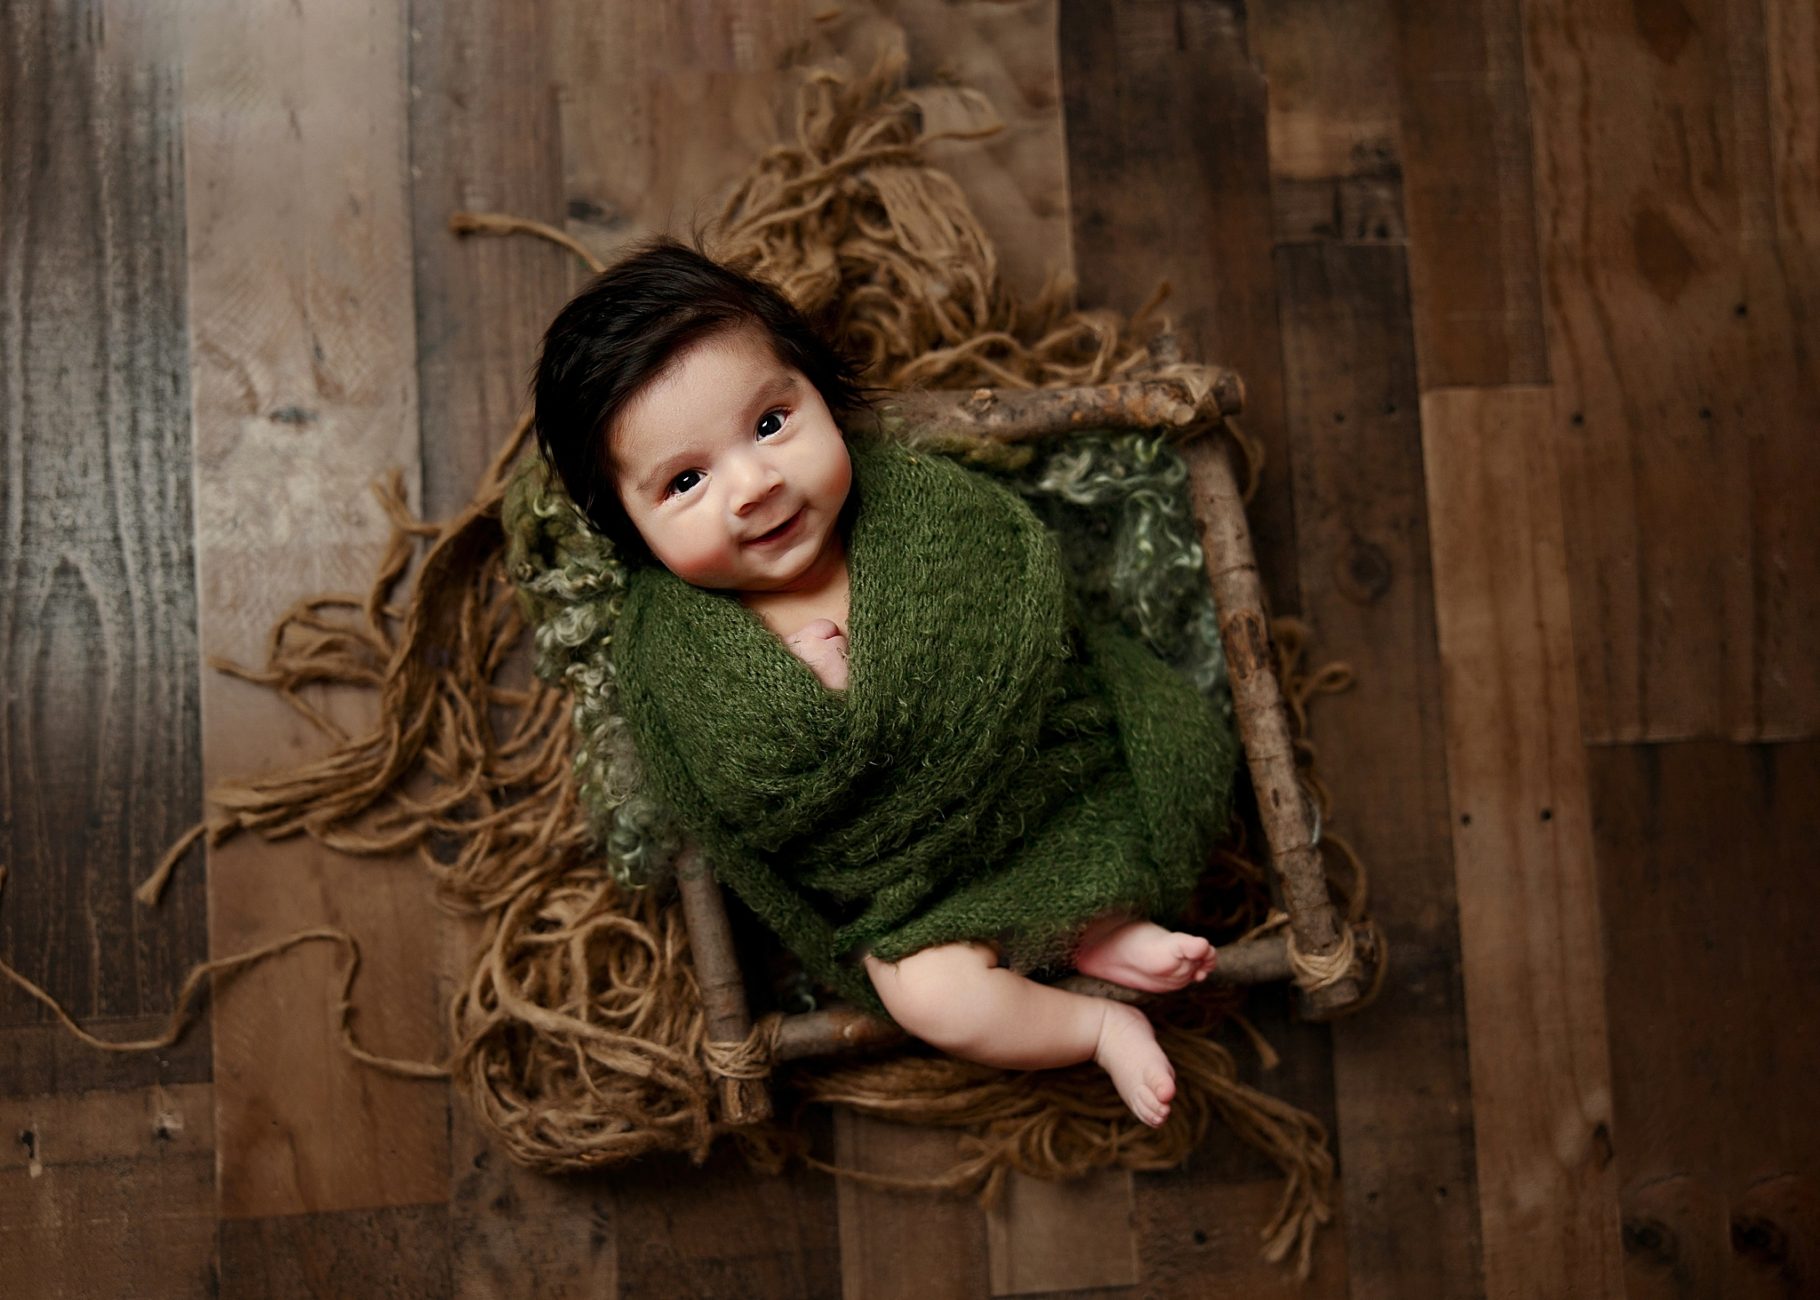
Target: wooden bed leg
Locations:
point(743, 1100)
point(1257, 701)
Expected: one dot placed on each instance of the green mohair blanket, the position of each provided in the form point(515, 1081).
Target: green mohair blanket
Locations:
point(996, 770)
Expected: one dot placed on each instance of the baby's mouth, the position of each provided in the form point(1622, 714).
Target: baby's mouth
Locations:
point(773, 534)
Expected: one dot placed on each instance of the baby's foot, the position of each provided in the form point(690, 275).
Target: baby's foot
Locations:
point(823, 647)
point(1141, 955)
point(1128, 1052)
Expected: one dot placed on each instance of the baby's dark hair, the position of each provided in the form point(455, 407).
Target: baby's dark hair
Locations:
point(624, 329)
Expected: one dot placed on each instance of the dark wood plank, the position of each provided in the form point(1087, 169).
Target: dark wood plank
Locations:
point(1169, 176)
point(484, 138)
point(1335, 165)
point(1169, 179)
point(515, 1233)
point(305, 392)
point(1403, 1086)
point(885, 1235)
point(721, 1230)
point(1529, 902)
point(388, 1253)
point(108, 1194)
point(1679, 308)
point(100, 763)
point(37, 1060)
point(1706, 887)
point(1474, 278)
point(1048, 1237)
point(1206, 1219)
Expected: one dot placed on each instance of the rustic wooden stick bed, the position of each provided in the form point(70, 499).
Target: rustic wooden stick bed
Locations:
point(1332, 964)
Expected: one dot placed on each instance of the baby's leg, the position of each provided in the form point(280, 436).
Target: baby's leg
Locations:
point(953, 997)
point(1142, 955)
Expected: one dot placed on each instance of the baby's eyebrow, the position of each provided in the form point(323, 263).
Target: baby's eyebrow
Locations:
point(660, 473)
point(782, 384)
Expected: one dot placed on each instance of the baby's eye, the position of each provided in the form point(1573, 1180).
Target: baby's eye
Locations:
point(683, 482)
point(770, 422)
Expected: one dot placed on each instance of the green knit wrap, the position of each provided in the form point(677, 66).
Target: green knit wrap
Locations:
point(996, 769)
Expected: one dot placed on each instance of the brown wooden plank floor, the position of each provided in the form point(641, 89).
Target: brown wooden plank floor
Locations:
point(1525, 295)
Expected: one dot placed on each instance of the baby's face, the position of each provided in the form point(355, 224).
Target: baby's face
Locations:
point(732, 468)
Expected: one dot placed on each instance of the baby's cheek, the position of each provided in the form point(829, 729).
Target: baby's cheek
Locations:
point(700, 562)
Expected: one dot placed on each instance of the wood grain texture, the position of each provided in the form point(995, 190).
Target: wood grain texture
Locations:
point(100, 763)
point(305, 391)
point(1169, 179)
point(685, 1232)
point(1200, 1227)
point(1046, 1238)
point(1706, 888)
point(1401, 1075)
point(108, 1194)
point(386, 1253)
point(514, 1233)
point(1335, 165)
point(660, 108)
point(1677, 287)
point(1464, 130)
point(38, 1060)
point(483, 138)
point(1169, 175)
point(1529, 896)
point(888, 1238)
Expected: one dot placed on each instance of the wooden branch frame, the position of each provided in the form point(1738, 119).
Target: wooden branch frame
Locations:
point(1013, 416)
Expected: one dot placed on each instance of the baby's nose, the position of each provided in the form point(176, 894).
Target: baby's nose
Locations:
point(754, 485)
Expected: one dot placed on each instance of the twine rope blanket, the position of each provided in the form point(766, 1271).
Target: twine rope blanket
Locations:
point(578, 1033)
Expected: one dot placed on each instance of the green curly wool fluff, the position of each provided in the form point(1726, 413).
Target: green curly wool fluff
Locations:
point(1117, 503)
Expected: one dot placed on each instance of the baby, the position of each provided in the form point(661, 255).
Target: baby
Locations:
point(691, 413)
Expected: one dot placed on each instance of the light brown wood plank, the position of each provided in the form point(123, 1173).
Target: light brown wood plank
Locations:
point(1706, 883)
point(661, 108)
point(1474, 278)
point(100, 762)
point(887, 1237)
point(109, 1194)
point(305, 391)
point(1529, 897)
point(1402, 1079)
point(1685, 403)
point(660, 111)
